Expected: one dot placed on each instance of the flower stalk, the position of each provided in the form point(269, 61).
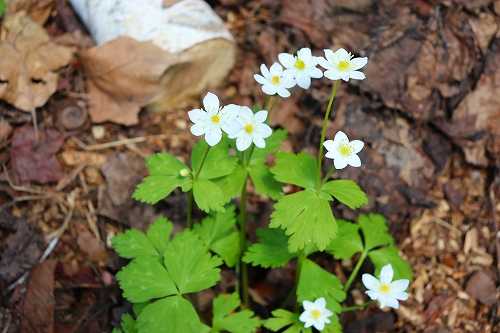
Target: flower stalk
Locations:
point(355, 271)
point(190, 193)
point(325, 127)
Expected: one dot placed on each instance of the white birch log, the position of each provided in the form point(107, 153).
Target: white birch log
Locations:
point(199, 48)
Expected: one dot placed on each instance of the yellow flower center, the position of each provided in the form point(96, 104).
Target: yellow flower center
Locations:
point(315, 314)
point(343, 65)
point(275, 80)
point(299, 64)
point(345, 150)
point(215, 119)
point(385, 288)
point(248, 128)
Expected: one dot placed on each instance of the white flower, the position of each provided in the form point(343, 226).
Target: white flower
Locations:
point(386, 291)
point(342, 151)
point(315, 314)
point(210, 121)
point(247, 127)
point(301, 67)
point(341, 65)
point(274, 80)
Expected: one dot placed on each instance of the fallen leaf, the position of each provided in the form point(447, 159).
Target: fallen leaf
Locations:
point(123, 171)
point(39, 302)
point(35, 160)
point(28, 63)
point(20, 251)
point(90, 245)
point(38, 10)
point(482, 287)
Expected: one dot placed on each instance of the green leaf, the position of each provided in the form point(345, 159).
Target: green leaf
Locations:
point(232, 184)
point(170, 315)
point(2, 7)
point(264, 181)
point(145, 278)
point(219, 234)
point(208, 195)
point(375, 230)
point(315, 282)
point(390, 255)
point(334, 326)
point(283, 318)
point(164, 177)
point(307, 218)
point(132, 244)
point(227, 319)
point(348, 241)
point(189, 263)
point(300, 169)
point(138, 307)
point(128, 324)
point(159, 234)
point(273, 143)
point(347, 192)
point(218, 162)
point(228, 248)
point(270, 251)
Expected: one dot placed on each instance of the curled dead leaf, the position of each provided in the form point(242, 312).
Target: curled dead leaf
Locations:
point(28, 63)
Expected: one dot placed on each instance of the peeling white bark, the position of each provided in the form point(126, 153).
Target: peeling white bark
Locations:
point(174, 28)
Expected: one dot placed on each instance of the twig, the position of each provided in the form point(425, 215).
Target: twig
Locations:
point(117, 143)
point(19, 188)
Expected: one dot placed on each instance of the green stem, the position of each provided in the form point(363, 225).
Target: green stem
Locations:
point(243, 240)
point(190, 209)
point(300, 263)
point(190, 193)
point(328, 175)
point(325, 127)
point(355, 271)
point(355, 307)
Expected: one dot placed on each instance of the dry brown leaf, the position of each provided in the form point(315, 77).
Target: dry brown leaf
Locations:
point(28, 63)
point(124, 76)
point(38, 10)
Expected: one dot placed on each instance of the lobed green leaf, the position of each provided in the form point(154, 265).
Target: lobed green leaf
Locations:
point(227, 319)
point(189, 263)
point(208, 195)
point(159, 234)
point(218, 163)
point(170, 315)
point(375, 231)
point(348, 241)
point(307, 218)
point(132, 244)
point(144, 279)
point(300, 169)
point(347, 192)
point(270, 251)
point(285, 319)
point(390, 255)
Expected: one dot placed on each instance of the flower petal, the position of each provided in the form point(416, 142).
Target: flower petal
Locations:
point(319, 325)
point(372, 294)
point(197, 115)
point(286, 59)
point(332, 74)
point(304, 81)
point(246, 114)
point(386, 274)
point(357, 145)
point(260, 79)
point(283, 92)
point(357, 75)
point(259, 142)
point(265, 72)
point(329, 145)
point(339, 163)
point(276, 69)
point(354, 161)
point(269, 89)
point(263, 130)
point(261, 116)
point(307, 305)
point(402, 296)
point(340, 137)
point(399, 285)
point(391, 302)
point(213, 136)
point(305, 54)
point(330, 56)
point(330, 155)
point(324, 62)
point(370, 282)
point(211, 103)
point(342, 54)
point(198, 129)
point(320, 302)
point(316, 73)
point(243, 142)
point(358, 63)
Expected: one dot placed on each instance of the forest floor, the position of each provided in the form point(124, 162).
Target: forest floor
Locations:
point(429, 112)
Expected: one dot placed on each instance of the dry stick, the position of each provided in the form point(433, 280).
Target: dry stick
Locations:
point(117, 143)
